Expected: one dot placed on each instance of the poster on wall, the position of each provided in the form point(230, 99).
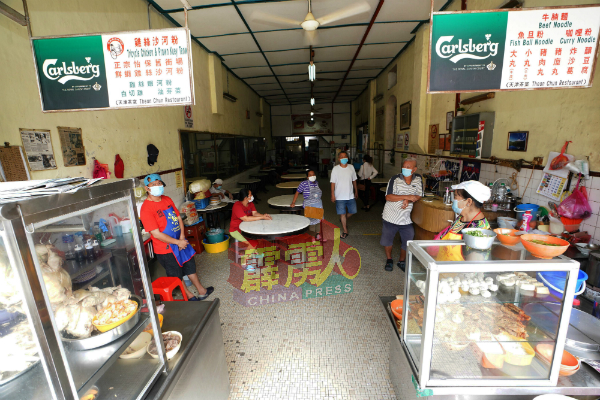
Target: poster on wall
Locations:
point(71, 143)
point(406, 141)
point(115, 70)
point(470, 171)
point(317, 124)
point(517, 49)
point(432, 146)
point(552, 186)
point(37, 144)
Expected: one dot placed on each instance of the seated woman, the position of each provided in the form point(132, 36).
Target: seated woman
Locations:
point(244, 211)
point(469, 197)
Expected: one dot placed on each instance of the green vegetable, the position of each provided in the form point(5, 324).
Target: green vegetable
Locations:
point(476, 233)
point(544, 243)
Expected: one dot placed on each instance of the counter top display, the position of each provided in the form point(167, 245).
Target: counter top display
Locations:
point(475, 318)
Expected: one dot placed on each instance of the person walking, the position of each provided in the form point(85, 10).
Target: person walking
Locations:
point(402, 191)
point(312, 198)
point(366, 173)
point(161, 219)
point(344, 190)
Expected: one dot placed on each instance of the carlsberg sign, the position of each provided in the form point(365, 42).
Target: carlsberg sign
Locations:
point(456, 52)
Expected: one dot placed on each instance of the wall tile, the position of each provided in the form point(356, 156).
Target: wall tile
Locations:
point(595, 207)
point(597, 234)
point(593, 220)
point(594, 195)
point(596, 182)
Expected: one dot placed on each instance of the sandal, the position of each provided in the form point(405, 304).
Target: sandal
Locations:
point(344, 235)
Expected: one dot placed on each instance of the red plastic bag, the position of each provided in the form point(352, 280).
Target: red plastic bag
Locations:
point(576, 206)
point(101, 170)
point(561, 160)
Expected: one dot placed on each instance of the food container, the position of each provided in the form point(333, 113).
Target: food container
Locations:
point(138, 346)
point(509, 240)
point(506, 222)
point(108, 327)
point(216, 247)
point(491, 353)
point(149, 327)
point(569, 364)
point(541, 250)
point(479, 243)
point(171, 353)
point(556, 227)
point(396, 307)
point(508, 343)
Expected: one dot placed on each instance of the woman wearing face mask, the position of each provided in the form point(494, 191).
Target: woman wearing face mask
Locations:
point(312, 198)
point(366, 173)
point(244, 211)
point(161, 219)
point(469, 197)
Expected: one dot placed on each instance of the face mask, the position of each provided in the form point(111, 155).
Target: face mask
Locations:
point(251, 199)
point(312, 178)
point(157, 190)
point(344, 161)
point(406, 172)
point(219, 187)
point(455, 207)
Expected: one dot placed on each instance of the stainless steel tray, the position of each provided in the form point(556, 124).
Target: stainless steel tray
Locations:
point(99, 339)
point(18, 374)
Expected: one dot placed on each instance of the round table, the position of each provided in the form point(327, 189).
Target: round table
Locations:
point(251, 184)
point(282, 203)
point(281, 225)
point(209, 210)
point(289, 185)
point(380, 181)
point(298, 171)
point(383, 189)
point(294, 177)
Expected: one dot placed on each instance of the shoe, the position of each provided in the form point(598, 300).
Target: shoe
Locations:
point(193, 298)
point(389, 266)
point(402, 265)
point(209, 291)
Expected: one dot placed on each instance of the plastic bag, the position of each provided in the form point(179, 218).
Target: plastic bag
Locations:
point(201, 185)
point(561, 160)
point(576, 206)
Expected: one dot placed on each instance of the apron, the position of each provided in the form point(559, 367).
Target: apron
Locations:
point(174, 230)
point(314, 200)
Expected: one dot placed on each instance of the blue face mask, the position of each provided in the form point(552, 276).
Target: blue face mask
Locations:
point(344, 161)
point(219, 187)
point(406, 172)
point(157, 190)
point(455, 207)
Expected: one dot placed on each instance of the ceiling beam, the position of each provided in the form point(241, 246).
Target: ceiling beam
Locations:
point(373, 18)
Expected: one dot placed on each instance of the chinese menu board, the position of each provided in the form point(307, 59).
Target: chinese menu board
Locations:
point(513, 50)
point(117, 70)
point(38, 149)
point(71, 142)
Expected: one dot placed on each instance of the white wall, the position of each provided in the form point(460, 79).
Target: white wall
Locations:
point(282, 122)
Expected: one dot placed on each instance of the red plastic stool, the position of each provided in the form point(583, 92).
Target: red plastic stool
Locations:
point(164, 288)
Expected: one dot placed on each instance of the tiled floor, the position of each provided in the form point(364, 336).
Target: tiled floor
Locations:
point(334, 347)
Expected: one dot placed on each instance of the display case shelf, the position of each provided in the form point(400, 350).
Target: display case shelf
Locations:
point(84, 267)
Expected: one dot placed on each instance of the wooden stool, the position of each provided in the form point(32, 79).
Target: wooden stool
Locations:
point(164, 288)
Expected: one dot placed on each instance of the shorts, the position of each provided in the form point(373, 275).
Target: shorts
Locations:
point(342, 205)
point(173, 269)
point(389, 230)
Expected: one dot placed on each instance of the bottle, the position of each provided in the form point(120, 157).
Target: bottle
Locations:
point(79, 253)
point(68, 242)
point(89, 250)
point(97, 232)
point(97, 250)
point(501, 195)
point(526, 219)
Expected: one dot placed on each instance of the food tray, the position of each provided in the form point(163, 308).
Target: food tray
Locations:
point(18, 374)
point(99, 339)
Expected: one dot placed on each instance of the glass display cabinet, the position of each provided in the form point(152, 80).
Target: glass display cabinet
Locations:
point(482, 318)
point(62, 293)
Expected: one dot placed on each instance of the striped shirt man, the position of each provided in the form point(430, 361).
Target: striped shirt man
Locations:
point(393, 211)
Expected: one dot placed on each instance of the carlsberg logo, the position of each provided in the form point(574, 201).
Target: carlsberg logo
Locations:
point(66, 73)
point(456, 52)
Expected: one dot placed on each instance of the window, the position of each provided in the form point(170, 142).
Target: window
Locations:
point(392, 77)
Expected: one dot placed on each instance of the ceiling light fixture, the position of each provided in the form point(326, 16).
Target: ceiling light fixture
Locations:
point(309, 23)
point(312, 113)
point(312, 101)
point(312, 71)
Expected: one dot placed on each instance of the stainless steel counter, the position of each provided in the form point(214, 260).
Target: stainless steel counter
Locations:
point(585, 384)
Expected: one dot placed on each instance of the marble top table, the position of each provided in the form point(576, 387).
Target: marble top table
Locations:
point(288, 185)
point(294, 177)
point(284, 202)
point(281, 225)
point(383, 189)
point(298, 171)
point(249, 181)
point(216, 207)
point(267, 170)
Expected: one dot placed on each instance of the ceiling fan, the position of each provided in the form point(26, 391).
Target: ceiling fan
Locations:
point(310, 23)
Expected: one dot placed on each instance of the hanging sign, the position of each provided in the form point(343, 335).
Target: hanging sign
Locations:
point(115, 70)
point(318, 123)
point(519, 49)
point(187, 117)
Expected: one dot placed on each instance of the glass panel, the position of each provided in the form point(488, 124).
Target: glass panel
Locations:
point(21, 372)
point(228, 158)
point(94, 284)
point(488, 326)
point(412, 332)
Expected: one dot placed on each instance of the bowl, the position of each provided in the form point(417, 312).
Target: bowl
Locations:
point(586, 248)
point(138, 346)
point(396, 307)
point(541, 250)
point(509, 240)
point(479, 243)
point(108, 327)
point(171, 353)
point(149, 326)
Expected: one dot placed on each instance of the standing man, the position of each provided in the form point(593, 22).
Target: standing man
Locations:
point(161, 219)
point(344, 190)
point(402, 191)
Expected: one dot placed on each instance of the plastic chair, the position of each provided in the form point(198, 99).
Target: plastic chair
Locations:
point(164, 288)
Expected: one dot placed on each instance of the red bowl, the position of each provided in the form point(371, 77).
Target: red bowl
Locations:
point(541, 250)
point(396, 307)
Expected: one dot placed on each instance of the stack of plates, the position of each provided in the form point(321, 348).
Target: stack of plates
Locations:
point(569, 364)
point(214, 201)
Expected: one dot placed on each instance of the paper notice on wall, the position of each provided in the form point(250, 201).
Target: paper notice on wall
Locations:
point(178, 180)
point(71, 143)
point(552, 186)
point(38, 149)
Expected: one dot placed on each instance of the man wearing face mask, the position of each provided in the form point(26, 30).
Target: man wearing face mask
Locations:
point(402, 191)
point(344, 190)
point(161, 219)
point(217, 188)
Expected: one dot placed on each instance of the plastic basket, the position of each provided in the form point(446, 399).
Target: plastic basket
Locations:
point(202, 204)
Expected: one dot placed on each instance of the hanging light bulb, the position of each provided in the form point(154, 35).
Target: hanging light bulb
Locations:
point(312, 113)
point(312, 72)
point(312, 101)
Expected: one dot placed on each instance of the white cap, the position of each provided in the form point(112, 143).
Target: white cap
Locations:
point(218, 181)
point(476, 189)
